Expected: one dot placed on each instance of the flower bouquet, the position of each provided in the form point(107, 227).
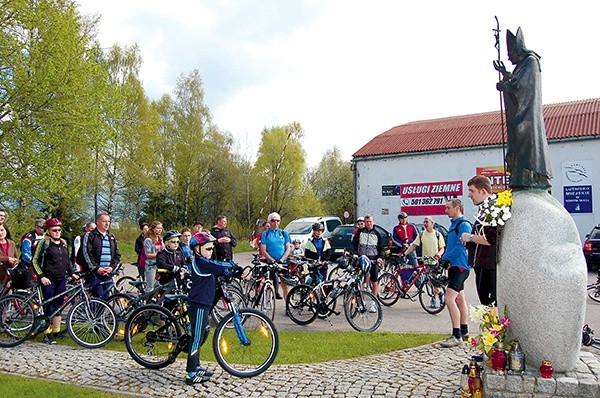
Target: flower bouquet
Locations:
point(495, 209)
point(492, 328)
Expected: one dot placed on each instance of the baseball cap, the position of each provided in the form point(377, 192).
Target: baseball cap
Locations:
point(360, 219)
point(402, 215)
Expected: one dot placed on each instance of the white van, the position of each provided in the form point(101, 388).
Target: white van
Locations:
point(301, 228)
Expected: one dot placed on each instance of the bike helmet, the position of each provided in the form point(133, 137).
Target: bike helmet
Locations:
point(200, 239)
point(318, 227)
point(52, 222)
point(296, 241)
point(171, 234)
point(364, 264)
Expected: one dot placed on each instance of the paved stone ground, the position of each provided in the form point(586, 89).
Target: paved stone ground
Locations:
point(427, 371)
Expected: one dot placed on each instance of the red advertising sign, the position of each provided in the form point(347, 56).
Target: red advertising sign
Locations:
point(428, 198)
point(497, 176)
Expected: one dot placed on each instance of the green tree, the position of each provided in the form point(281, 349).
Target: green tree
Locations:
point(124, 158)
point(332, 182)
point(279, 168)
point(49, 106)
point(197, 168)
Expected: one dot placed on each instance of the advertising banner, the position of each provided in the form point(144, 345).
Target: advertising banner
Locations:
point(498, 178)
point(428, 198)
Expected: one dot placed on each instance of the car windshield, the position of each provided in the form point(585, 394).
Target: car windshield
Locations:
point(595, 234)
point(299, 227)
point(343, 231)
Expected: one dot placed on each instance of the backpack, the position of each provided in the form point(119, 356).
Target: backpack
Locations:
point(455, 229)
point(437, 236)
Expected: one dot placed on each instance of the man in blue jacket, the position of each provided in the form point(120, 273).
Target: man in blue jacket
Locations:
point(458, 272)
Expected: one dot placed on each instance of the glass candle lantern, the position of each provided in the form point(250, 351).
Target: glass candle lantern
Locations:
point(499, 358)
point(516, 358)
point(546, 369)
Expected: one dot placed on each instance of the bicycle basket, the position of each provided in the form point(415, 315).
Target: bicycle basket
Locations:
point(21, 276)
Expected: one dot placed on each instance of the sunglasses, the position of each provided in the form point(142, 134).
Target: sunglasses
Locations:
point(209, 249)
point(275, 220)
point(173, 241)
point(56, 230)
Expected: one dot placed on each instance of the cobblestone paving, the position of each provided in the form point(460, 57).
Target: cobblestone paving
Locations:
point(427, 371)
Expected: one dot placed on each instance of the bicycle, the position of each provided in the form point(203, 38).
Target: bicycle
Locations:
point(261, 292)
point(124, 304)
point(245, 342)
point(430, 280)
point(594, 290)
point(588, 338)
point(220, 306)
point(91, 322)
point(361, 308)
point(124, 283)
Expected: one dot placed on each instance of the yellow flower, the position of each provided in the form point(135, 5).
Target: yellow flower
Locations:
point(497, 327)
point(489, 339)
point(505, 198)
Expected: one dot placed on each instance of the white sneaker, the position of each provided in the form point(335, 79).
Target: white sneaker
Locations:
point(451, 342)
point(373, 307)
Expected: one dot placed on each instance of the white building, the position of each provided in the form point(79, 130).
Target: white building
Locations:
point(416, 166)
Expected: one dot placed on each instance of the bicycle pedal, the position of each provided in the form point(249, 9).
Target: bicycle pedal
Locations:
point(182, 344)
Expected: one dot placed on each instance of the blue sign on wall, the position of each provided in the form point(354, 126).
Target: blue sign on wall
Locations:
point(578, 198)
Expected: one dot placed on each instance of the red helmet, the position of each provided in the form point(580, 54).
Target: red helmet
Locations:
point(52, 222)
point(201, 238)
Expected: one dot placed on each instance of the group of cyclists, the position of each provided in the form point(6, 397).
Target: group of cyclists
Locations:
point(164, 256)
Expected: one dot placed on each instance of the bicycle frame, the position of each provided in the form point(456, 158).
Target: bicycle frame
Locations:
point(71, 295)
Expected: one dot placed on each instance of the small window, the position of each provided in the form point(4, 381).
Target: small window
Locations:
point(331, 224)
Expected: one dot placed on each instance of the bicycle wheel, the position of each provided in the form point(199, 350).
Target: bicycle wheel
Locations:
point(267, 301)
point(430, 297)
point(92, 323)
point(151, 336)
point(220, 309)
point(121, 304)
point(301, 305)
point(17, 317)
point(363, 311)
point(336, 272)
point(245, 343)
point(123, 285)
point(594, 293)
point(389, 289)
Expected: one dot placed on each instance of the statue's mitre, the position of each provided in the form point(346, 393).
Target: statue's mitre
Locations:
point(515, 42)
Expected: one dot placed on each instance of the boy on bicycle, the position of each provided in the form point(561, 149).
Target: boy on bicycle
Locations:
point(200, 300)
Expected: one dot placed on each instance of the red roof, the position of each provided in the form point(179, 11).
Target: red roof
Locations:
point(564, 120)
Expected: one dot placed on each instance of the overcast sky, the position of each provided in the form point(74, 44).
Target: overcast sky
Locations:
point(348, 70)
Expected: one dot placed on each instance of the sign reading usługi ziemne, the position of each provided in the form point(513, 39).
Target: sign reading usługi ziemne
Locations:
point(428, 198)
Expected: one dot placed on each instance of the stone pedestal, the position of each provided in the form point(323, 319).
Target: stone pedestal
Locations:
point(582, 382)
point(542, 279)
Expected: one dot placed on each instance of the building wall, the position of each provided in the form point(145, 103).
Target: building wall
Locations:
point(575, 165)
